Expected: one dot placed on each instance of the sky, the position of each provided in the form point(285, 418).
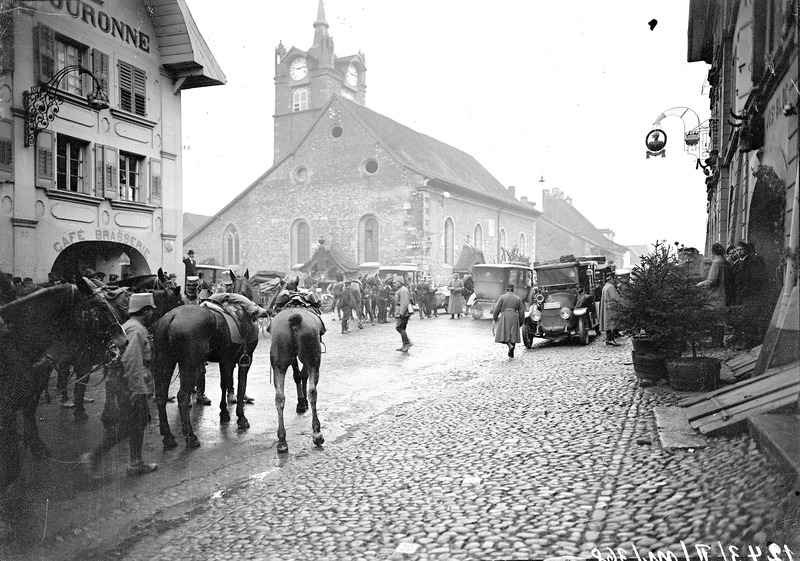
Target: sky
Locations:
point(532, 89)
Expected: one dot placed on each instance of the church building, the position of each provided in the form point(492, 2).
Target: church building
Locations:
point(365, 186)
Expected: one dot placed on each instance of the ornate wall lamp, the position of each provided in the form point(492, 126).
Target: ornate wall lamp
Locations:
point(695, 134)
point(42, 102)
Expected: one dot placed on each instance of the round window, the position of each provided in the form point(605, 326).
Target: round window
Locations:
point(336, 131)
point(370, 166)
point(301, 174)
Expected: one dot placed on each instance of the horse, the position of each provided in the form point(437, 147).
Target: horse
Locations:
point(336, 290)
point(65, 317)
point(295, 335)
point(190, 336)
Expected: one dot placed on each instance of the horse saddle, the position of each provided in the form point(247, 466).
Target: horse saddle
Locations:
point(235, 317)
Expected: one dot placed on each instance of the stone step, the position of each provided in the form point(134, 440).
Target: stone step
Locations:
point(776, 434)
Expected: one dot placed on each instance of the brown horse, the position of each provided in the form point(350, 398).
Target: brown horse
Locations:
point(190, 336)
point(295, 335)
point(61, 317)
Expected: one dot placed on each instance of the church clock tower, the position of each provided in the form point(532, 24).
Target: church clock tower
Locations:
point(306, 80)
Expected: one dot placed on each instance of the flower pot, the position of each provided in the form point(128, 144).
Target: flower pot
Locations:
point(649, 367)
point(694, 374)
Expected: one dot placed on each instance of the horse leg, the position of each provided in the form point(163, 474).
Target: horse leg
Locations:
point(241, 420)
point(188, 375)
point(226, 385)
point(300, 382)
point(163, 376)
point(313, 380)
point(29, 429)
point(279, 372)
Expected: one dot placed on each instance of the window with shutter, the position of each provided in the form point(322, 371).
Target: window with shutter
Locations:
point(44, 156)
point(45, 55)
point(132, 89)
point(6, 151)
point(99, 170)
point(110, 173)
point(130, 177)
point(100, 69)
point(155, 182)
point(70, 157)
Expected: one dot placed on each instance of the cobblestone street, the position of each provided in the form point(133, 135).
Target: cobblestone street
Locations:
point(552, 453)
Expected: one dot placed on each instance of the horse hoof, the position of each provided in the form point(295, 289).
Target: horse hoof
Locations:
point(243, 423)
point(283, 448)
point(302, 408)
point(193, 442)
point(224, 417)
point(319, 440)
point(170, 442)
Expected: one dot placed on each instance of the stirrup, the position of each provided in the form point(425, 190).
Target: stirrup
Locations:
point(324, 348)
point(244, 361)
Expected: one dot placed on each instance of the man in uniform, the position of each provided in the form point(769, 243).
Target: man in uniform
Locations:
point(402, 311)
point(346, 306)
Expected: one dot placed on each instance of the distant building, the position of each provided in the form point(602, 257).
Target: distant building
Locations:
point(95, 180)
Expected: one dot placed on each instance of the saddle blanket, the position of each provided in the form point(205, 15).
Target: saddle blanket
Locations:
point(233, 319)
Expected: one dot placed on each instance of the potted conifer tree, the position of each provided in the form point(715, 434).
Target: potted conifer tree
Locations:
point(666, 312)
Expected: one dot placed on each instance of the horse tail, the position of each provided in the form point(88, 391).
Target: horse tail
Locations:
point(295, 320)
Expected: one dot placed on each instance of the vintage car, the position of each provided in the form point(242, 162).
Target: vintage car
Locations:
point(410, 271)
point(490, 284)
point(566, 302)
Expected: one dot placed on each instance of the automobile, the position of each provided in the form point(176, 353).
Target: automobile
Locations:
point(565, 303)
point(409, 271)
point(491, 281)
point(212, 274)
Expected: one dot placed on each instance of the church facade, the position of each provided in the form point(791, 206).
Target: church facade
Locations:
point(369, 187)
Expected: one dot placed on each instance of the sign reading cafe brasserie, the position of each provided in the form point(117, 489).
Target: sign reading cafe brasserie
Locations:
point(80, 9)
point(100, 235)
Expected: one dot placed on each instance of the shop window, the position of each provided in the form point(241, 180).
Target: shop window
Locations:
point(130, 178)
point(71, 164)
point(300, 99)
point(368, 239)
point(132, 89)
point(449, 241)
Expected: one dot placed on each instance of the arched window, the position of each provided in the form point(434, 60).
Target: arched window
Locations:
point(478, 237)
point(503, 239)
point(368, 239)
point(522, 248)
point(230, 244)
point(300, 242)
point(449, 240)
point(300, 99)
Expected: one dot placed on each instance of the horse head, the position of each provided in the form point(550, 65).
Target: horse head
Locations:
point(102, 319)
point(241, 285)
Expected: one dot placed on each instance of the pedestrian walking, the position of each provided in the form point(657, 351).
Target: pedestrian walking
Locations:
point(403, 311)
point(455, 307)
point(128, 385)
point(346, 306)
point(509, 313)
point(716, 281)
point(609, 298)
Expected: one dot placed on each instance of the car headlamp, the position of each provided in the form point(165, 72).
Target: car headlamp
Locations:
point(536, 315)
point(565, 313)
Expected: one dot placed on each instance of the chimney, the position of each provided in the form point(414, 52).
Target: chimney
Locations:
point(512, 191)
point(545, 192)
point(569, 200)
point(524, 199)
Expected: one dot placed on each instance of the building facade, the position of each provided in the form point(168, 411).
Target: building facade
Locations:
point(90, 133)
point(751, 47)
point(372, 188)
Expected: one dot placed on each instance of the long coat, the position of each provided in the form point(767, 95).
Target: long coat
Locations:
point(715, 282)
point(456, 303)
point(509, 313)
point(608, 317)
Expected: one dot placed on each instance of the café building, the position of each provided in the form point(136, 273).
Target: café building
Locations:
point(90, 134)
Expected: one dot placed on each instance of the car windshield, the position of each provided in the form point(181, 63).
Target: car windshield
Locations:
point(492, 275)
point(552, 277)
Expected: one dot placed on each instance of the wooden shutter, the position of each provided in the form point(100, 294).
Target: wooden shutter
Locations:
point(155, 182)
point(6, 41)
point(6, 146)
point(125, 86)
point(111, 175)
point(100, 64)
point(44, 42)
point(88, 188)
point(44, 156)
point(99, 170)
point(139, 92)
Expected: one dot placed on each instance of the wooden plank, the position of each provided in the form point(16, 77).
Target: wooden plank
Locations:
point(741, 411)
point(674, 431)
point(784, 401)
point(728, 389)
point(746, 392)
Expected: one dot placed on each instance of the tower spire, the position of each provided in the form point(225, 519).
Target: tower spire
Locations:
point(321, 21)
point(322, 49)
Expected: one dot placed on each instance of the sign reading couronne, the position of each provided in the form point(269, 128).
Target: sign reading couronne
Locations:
point(101, 235)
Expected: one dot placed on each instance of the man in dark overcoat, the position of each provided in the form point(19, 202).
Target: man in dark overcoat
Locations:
point(509, 313)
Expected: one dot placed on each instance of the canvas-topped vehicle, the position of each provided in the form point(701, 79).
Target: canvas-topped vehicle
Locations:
point(566, 302)
point(490, 284)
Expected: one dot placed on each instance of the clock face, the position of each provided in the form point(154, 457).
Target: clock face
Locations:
point(298, 68)
point(352, 75)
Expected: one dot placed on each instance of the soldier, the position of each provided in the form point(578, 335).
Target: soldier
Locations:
point(346, 306)
point(403, 311)
point(382, 303)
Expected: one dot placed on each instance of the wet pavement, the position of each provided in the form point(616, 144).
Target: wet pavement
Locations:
point(452, 451)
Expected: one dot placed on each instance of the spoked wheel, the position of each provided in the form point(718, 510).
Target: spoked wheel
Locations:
point(527, 338)
point(583, 331)
point(263, 326)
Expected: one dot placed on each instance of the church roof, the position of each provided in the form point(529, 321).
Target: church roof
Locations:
point(429, 157)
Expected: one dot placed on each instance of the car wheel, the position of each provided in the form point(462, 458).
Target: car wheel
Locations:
point(476, 311)
point(527, 338)
point(583, 331)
